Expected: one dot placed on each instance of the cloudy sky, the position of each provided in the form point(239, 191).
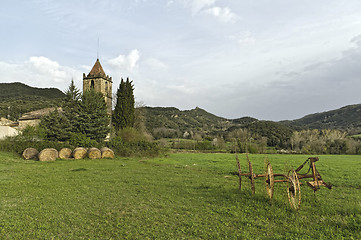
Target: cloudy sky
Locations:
point(271, 60)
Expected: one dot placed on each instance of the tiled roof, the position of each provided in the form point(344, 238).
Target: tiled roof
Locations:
point(97, 70)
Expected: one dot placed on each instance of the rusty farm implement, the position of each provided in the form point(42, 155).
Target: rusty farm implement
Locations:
point(291, 179)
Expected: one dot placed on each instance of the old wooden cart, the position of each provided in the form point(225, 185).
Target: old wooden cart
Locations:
point(291, 178)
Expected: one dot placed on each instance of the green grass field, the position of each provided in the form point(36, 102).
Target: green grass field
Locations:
point(182, 196)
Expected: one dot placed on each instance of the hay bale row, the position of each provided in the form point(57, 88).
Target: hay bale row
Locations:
point(65, 153)
point(48, 154)
point(94, 153)
point(107, 152)
point(30, 153)
point(51, 154)
point(79, 153)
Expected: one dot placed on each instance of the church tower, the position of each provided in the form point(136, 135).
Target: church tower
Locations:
point(100, 82)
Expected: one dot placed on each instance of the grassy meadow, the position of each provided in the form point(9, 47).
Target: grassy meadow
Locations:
point(181, 196)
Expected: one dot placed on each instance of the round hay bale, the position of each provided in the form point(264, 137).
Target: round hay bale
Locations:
point(94, 153)
point(79, 153)
point(107, 152)
point(48, 154)
point(65, 153)
point(30, 153)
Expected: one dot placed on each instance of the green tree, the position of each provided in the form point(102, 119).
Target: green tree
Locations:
point(124, 109)
point(91, 117)
point(56, 126)
point(59, 124)
point(72, 107)
point(86, 116)
point(72, 94)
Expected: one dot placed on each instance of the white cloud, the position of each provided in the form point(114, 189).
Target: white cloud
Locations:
point(128, 62)
point(11, 72)
point(223, 14)
point(209, 7)
point(180, 89)
point(156, 64)
point(198, 5)
point(170, 2)
point(244, 38)
point(39, 71)
point(43, 66)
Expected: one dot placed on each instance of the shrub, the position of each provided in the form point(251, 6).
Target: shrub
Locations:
point(253, 148)
point(183, 144)
point(81, 140)
point(131, 135)
point(164, 132)
point(139, 148)
point(32, 133)
point(205, 145)
point(19, 144)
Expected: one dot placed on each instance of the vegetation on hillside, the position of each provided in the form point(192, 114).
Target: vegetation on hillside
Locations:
point(14, 108)
point(198, 124)
point(173, 123)
point(326, 141)
point(251, 135)
point(347, 118)
point(17, 99)
point(277, 134)
point(19, 90)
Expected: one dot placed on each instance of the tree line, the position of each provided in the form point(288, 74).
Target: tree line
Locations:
point(309, 141)
point(85, 115)
point(81, 120)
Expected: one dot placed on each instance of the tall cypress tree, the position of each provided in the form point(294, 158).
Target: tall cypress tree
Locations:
point(131, 102)
point(124, 109)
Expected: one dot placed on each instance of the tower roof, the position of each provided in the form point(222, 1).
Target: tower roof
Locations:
point(97, 70)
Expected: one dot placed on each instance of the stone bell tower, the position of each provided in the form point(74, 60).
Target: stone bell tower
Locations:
point(100, 82)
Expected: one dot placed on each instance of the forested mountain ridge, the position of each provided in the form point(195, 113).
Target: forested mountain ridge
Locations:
point(18, 98)
point(19, 90)
point(347, 118)
point(172, 122)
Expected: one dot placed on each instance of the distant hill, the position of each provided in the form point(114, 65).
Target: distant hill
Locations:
point(172, 122)
point(347, 118)
point(18, 98)
point(20, 91)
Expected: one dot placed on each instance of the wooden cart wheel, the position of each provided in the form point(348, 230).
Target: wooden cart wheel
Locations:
point(239, 173)
point(293, 190)
point(270, 180)
point(251, 176)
